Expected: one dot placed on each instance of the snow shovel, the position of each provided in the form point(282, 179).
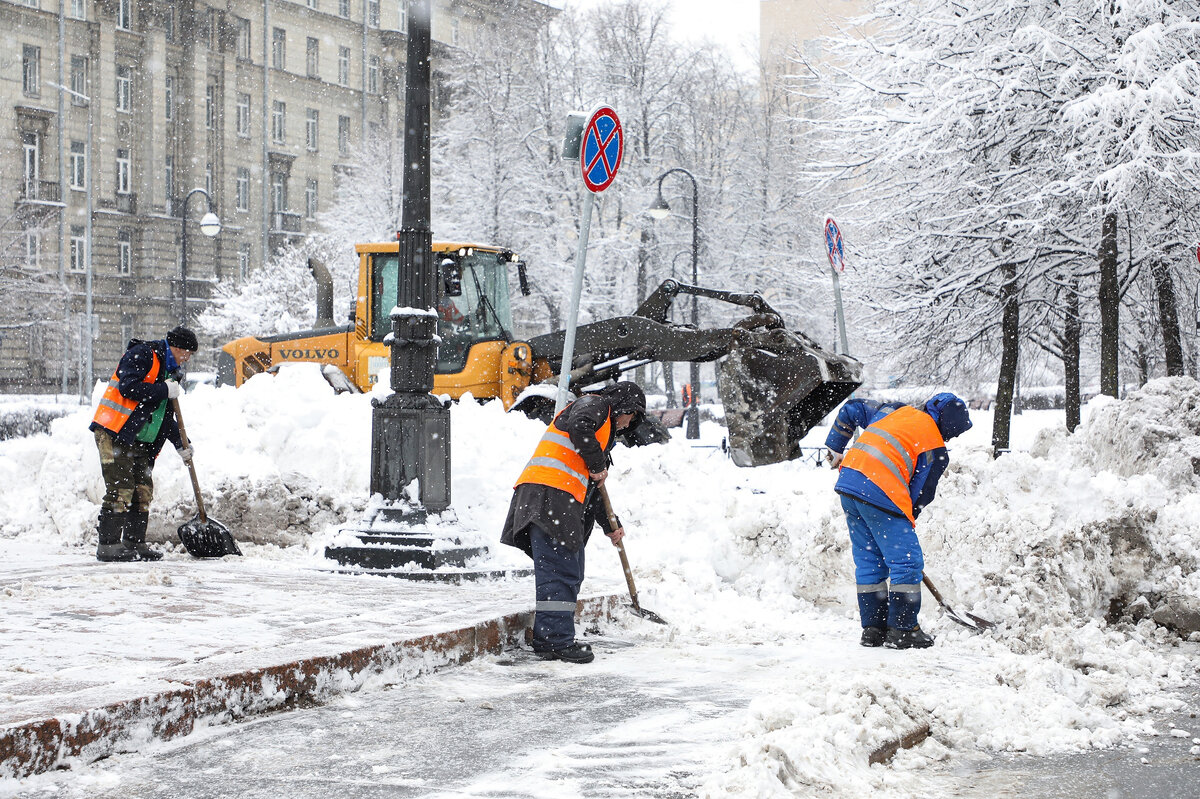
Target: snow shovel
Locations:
point(201, 536)
point(971, 622)
point(637, 608)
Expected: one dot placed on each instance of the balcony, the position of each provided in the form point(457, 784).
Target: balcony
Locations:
point(40, 191)
point(286, 223)
point(127, 203)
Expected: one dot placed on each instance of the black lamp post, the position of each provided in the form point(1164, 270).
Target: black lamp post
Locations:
point(210, 226)
point(660, 210)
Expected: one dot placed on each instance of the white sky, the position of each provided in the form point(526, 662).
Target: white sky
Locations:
point(732, 23)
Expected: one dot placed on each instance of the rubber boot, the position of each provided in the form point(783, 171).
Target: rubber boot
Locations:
point(903, 632)
point(575, 653)
point(109, 547)
point(873, 611)
point(135, 536)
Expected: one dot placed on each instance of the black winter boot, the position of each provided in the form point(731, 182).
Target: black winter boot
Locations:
point(872, 636)
point(575, 653)
point(135, 536)
point(915, 638)
point(109, 547)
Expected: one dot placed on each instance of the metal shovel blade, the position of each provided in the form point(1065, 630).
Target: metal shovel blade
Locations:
point(971, 622)
point(648, 615)
point(207, 538)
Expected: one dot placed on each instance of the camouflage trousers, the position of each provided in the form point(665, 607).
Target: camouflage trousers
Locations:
point(126, 471)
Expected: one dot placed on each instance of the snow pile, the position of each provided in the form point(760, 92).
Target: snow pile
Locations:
point(1070, 546)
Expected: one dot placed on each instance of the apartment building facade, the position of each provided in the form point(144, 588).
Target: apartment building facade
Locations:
point(130, 105)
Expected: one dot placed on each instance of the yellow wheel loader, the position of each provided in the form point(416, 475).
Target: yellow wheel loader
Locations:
point(775, 384)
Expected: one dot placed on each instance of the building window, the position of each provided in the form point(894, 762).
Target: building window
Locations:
point(169, 96)
point(124, 172)
point(124, 88)
point(169, 178)
point(278, 192)
point(78, 165)
point(125, 14)
point(312, 58)
point(310, 199)
point(454, 32)
point(278, 121)
point(343, 66)
point(343, 135)
point(78, 248)
point(31, 69)
point(79, 73)
point(210, 106)
point(373, 13)
point(242, 189)
point(208, 183)
point(244, 261)
point(79, 9)
point(243, 37)
point(403, 17)
point(169, 23)
point(373, 74)
point(32, 145)
point(243, 115)
point(344, 8)
point(279, 48)
point(312, 4)
point(312, 127)
point(33, 246)
point(124, 252)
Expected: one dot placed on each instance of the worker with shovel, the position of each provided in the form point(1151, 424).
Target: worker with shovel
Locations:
point(887, 477)
point(555, 503)
point(132, 422)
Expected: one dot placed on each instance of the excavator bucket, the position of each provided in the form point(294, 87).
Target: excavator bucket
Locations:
point(774, 395)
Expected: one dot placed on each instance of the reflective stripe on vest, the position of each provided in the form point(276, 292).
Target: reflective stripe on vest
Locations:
point(556, 462)
point(886, 453)
point(114, 409)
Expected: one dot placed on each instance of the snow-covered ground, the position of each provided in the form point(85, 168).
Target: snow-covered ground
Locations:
point(1069, 542)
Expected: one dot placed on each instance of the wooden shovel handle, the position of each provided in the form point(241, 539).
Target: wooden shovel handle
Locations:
point(191, 467)
point(614, 522)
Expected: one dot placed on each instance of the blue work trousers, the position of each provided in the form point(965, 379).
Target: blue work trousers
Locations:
point(558, 574)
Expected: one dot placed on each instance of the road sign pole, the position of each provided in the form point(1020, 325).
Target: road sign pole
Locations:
point(568, 354)
point(841, 316)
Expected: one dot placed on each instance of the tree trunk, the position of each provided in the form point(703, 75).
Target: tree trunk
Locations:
point(1110, 304)
point(1168, 318)
point(1006, 384)
point(1072, 330)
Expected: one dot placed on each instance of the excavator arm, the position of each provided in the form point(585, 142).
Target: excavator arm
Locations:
point(775, 384)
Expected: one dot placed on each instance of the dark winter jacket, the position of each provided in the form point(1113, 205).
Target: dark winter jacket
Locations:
point(131, 374)
point(557, 512)
point(948, 412)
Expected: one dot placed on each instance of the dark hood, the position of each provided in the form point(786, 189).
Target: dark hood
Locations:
point(950, 414)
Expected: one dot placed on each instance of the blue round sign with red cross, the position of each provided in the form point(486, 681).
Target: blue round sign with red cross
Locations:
point(603, 145)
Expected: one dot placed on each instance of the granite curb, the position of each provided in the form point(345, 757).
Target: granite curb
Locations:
point(42, 745)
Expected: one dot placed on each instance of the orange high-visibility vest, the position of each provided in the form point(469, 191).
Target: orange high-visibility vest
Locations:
point(556, 462)
point(114, 409)
point(886, 453)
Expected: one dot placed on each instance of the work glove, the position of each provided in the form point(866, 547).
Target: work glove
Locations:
point(834, 458)
point(185, 453)
point(173, 389)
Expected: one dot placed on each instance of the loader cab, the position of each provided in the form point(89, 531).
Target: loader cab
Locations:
point(473, 299)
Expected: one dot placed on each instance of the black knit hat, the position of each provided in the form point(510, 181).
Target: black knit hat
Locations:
point(625, 397)
point(183, 339)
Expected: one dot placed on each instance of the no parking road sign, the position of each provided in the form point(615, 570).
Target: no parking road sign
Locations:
point(833, 243)
point(603, 145)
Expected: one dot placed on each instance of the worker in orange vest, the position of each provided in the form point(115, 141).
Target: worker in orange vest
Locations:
point(555, 504)
point(132, 422)
point(887, 477)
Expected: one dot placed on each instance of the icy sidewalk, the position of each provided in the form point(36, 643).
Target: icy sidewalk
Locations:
point(101, 657)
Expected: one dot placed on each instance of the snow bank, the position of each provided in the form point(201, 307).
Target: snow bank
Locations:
point(1069, 545)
